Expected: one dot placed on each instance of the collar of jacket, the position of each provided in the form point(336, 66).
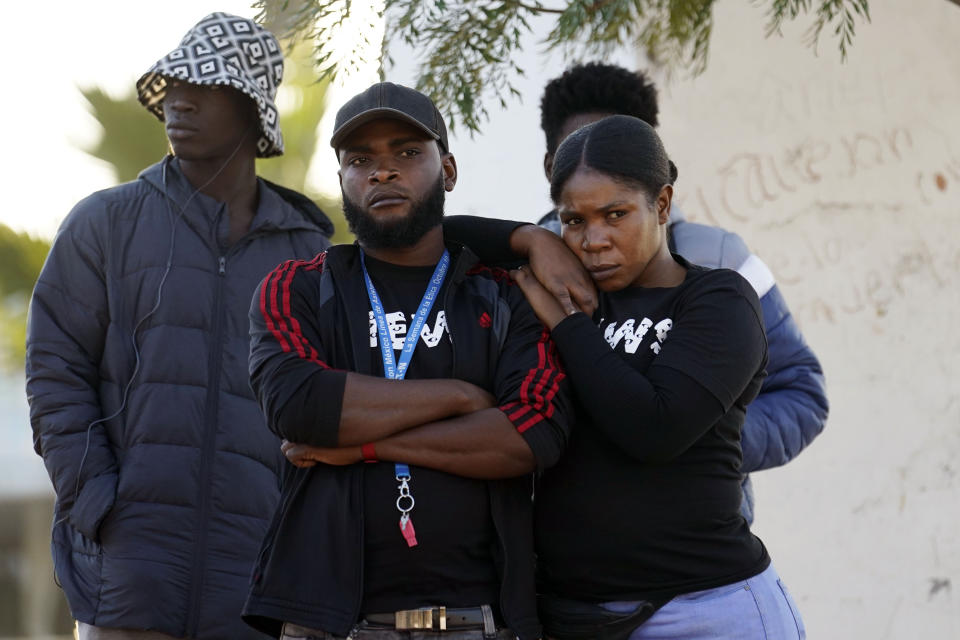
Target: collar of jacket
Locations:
point(343, 264)
point(345, 258)
point(278, 208)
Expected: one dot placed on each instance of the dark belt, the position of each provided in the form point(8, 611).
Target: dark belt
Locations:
point(436, 618)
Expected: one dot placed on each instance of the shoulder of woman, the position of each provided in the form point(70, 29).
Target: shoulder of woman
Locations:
point(706, 279)
point(719, 283)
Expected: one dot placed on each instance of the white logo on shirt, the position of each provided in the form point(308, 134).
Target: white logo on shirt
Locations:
point(633, 337)
point(631, 333)
point(397, 325)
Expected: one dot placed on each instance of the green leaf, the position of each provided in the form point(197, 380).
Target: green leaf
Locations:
point(470, 43)
point(23, 257)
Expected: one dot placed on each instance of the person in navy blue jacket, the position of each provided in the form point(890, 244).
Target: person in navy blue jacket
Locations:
point(792, 407)
point(137, 342)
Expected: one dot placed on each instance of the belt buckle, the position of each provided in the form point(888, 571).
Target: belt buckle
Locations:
point(415, 619)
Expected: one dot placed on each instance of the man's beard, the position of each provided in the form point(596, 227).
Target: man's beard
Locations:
point(424, 215)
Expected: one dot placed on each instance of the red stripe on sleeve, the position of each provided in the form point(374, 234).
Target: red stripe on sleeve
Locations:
point(270, 284)
point(520, 411)
point(301, 339)
point(538, 389)
point(541, 362)
point(534, 419)
point(555, 387)
point(278, 312)
point(284, 298)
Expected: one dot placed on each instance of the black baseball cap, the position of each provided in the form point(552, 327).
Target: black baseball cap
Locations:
point(389, 100)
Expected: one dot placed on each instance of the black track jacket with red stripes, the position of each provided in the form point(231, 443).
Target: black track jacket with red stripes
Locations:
point(309, 324)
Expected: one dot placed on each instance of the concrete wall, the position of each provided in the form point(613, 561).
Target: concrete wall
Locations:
point(31, 604)
point(845, 179)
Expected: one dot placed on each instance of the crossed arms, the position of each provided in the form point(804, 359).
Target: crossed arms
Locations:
point(516, 426)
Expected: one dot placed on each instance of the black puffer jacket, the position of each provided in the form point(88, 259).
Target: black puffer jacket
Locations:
point(161, 509)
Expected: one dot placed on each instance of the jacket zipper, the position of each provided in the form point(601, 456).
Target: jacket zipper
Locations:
point(491, 491)
point(361, 546)
point(448, 316)
point(458, 271)
point(505, 579)
point(210, 426)
point(358, 487)
point(210, 433)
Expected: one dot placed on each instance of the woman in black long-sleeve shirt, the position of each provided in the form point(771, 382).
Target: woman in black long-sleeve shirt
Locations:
point(641, 517)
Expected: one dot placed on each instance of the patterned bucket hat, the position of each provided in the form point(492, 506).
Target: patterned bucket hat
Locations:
point(224, 49)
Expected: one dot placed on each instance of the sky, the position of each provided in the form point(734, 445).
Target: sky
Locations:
point(111, 43)
point(51, 49)
point(105, 43)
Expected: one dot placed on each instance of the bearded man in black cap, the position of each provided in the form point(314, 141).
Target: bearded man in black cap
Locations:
point(137, 348)
point(421, 392)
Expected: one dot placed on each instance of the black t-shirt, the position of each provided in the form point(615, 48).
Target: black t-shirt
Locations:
point(452, 564)
point(645, 502)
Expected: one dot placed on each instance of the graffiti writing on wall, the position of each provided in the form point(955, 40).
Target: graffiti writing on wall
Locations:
point(749, 186)
point(874, 289)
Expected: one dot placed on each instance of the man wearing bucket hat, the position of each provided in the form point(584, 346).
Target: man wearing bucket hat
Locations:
point(473, 402)
point(137, 345)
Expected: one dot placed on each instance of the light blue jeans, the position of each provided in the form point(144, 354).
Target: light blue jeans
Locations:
point(758, 608)
point(364, 632)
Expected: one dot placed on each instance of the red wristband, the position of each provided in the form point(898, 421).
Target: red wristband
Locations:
point(368, 452)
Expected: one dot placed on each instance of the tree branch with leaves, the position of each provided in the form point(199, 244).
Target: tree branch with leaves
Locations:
point(23, 257)
point(470, 47)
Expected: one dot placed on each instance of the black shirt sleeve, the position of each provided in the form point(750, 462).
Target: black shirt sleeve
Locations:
point(299, 393)
point(714, 350)
point(719, 338)
point(488, 238)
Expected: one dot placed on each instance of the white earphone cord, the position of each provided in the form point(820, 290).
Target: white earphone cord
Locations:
point(163, 279)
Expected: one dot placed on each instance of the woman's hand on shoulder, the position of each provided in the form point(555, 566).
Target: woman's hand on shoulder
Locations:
point(556, 268)
point(545, 304)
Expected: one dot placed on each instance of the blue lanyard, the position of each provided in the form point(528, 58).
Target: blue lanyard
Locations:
point(391, 368)
point(394, 370)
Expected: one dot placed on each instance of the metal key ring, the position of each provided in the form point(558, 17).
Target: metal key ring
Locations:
point(408, 509)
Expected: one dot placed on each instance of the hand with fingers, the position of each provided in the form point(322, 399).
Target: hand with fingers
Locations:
point(548, 308)
point(556, 268)
point(305, 455)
